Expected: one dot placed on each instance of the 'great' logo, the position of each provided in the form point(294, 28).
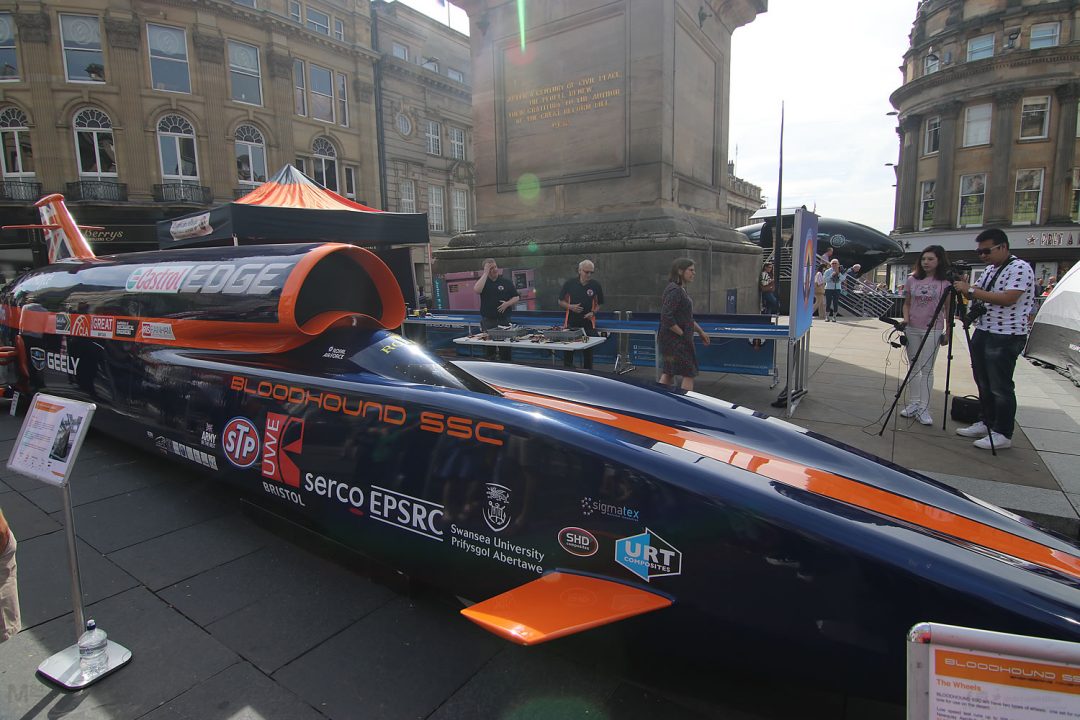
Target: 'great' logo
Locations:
point(241, 442)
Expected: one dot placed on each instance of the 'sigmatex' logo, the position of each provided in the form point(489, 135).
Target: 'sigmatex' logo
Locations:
point(648, 556)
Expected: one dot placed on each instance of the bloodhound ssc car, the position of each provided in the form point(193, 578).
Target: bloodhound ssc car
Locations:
point(851, 243)
point(553, 501)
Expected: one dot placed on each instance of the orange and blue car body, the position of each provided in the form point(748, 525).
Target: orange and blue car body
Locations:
point(558, 501)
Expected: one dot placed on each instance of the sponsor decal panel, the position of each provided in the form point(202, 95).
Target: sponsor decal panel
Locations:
point(496, 548)
point(248, 278)
point(80, 326)
point(125, 328)
point(648, 556)
point(240, 441)
point(348, 495)
point(334, 353)
point(209, 437)
point(423, 517)
point(37, 358)
point(190, 453)
point(497, 506)
point(60, 361)
point(62, 324)
point(283, 440)
point(157, 331)
point(102, 327)
point(591, 506)
point(578, 541)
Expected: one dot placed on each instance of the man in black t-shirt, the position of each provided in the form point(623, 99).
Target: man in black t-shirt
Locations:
point(497, 299)
point(581, 297)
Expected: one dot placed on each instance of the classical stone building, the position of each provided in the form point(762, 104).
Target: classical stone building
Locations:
point(425, 102)
point(988, 130)
point(743, 198)
point(139, 110)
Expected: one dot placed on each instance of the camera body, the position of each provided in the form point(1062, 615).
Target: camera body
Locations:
point(977, 310)
point(958, 270)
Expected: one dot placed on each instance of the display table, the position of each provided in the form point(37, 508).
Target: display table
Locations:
point(524, 343)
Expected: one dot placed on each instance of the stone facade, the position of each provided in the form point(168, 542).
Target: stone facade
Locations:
point(604, 135)
point(988, 129)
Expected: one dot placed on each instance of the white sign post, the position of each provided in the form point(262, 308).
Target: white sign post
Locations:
point(50, 439)
point(958, 672)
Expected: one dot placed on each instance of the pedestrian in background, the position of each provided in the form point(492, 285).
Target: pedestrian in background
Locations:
point(581, 297)
point(497, 299)
point(922, 293)
point(10, 618)
point(1006, 297)
point(770, 304)
point(677, 327)
point(819, 291)
point(834, 281)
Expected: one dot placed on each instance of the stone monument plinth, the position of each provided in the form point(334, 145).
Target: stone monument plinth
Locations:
point(600, 131)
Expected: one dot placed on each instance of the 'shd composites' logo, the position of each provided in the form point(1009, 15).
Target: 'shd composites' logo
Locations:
point(240, 441)
point(578, 541)
point(648, 556)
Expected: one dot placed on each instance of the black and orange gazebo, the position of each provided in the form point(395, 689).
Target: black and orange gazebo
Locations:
point(290, 207)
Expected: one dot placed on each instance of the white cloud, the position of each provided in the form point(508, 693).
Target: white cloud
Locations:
point(833, 63)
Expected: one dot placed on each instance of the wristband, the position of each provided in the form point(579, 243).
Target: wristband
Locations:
point(971, 293)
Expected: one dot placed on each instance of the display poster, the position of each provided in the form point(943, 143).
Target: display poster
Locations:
point(803, 267)
point(980, 685)
point(50, 438)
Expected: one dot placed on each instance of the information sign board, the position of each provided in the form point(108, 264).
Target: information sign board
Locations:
point(50, 438)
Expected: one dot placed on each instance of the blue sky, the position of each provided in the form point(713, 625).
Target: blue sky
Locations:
point(833, 64)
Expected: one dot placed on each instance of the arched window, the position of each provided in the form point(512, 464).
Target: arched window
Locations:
point(176, 146)
point(18, 160)
point(94, 144)
point(325, 162)
point(250, 155)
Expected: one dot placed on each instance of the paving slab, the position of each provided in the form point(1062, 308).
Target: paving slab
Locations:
point(1046, 419)
point(374, 664)
point(27, 520)
point(170, 655)
point(1058, 441)
point(1065, 469)
point(240, 692)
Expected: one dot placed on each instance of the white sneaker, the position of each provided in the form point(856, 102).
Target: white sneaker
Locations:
point(977, 430)
point(911, 410)
point(1000, 442)
point(924, 417)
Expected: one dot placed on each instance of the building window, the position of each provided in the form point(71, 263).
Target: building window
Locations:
point(401, 51)
point(247, 3)
point(932, 141)
point(433, 133)
point(430, 63)
point(1035, 117)
point(94, 144)
point(176, 145)
point(455, 75)
point(1074, 211)
point(250, 155)
point(324, 170)
point(342, 100)
point(980, 47)
point(460, 208)
point(408, 196)
point(244, 75)
point(294, 11)
point(321, 82)
point(81, 37)
point(457, 142)
point(350, 183)
point(931, 64)
point(9, 58)
point(977, 125)
point(972, 195)
point(168, 58)
point(18, 159)
point(1027, 202)
point(404, 124)
point(926, 208)
point(1044, 35)
point(339, 29)
point(318, 21)
point(299, 88)
point(435, 209)
point(301, 165)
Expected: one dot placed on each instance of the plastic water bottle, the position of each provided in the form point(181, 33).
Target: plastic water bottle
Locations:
point(93, 650)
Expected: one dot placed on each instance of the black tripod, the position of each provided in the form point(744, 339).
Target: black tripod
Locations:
point(918, 353)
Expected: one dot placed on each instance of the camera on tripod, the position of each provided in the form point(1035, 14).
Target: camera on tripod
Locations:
point(958, 270)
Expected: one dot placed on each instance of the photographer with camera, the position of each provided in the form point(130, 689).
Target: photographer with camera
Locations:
point(923, 292)
point(1001, 303)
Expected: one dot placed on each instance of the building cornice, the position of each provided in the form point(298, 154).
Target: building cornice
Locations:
point(400, 68)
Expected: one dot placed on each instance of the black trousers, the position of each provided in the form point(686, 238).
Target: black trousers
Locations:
point(586, 362)
point(490, 352)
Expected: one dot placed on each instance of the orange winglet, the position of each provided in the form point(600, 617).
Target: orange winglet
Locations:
point(560, 604)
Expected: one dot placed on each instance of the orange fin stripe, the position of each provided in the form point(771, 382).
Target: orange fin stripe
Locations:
point(824, 483)
point(560, 604)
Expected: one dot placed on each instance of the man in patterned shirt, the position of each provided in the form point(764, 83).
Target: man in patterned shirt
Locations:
point(1007, 289)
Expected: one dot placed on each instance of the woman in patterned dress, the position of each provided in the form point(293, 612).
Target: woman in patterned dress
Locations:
point(677, 328)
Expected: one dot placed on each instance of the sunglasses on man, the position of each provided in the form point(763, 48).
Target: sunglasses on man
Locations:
point(987, 251)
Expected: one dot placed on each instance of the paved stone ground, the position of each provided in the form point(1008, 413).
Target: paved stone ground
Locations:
point(231, 614)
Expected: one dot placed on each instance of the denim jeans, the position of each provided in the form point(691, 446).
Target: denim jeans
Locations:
point(832, 301)
point(993, 360)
